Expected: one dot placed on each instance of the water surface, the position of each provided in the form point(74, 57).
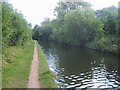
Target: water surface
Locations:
point(77, 67)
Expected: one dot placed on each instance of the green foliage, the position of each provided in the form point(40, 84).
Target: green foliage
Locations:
point(104, 45)
point(15, 29)
point(43, 32)
point(81, 26)
point(36, 32)
point(64, 7)
point(109, 17)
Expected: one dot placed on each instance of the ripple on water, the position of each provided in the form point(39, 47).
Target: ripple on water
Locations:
point(74, 80)
point(82, 74)
point(72, 83)
point(76, 77)
point(61, 80)
point(87, 81)
point(72, 75)
point(66, 77)
point(69, 78)
point(79, 79)
point(92, 79)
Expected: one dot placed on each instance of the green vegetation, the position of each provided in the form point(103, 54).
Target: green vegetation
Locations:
point(15, 29)
point(46, 76)
point(17, 47)
point(16, 73)
point(78, 24)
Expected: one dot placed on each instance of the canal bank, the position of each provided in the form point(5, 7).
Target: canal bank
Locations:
point(46, 76)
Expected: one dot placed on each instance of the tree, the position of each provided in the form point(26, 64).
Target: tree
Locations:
point(35, 35)
point(109, 17)
point(81, 27)
point(15, 29)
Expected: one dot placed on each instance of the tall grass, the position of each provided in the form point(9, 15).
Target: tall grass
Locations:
point(17, 66)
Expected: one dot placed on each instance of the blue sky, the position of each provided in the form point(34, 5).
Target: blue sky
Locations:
point(36, 10)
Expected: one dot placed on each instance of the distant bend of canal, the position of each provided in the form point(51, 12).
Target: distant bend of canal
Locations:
point(77, 67)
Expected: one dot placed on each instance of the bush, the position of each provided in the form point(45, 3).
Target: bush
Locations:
point(104, 44)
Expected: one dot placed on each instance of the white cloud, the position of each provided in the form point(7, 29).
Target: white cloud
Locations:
point(99, 4)
point(35, 10)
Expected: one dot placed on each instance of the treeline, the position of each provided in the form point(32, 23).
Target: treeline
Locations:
point(15, 29)
point(77, 24)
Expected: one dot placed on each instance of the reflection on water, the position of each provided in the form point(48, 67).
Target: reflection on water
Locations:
point(76, 67)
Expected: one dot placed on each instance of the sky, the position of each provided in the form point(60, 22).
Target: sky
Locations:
point(35, 11)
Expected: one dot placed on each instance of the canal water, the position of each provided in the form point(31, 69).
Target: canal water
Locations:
point(77, 67)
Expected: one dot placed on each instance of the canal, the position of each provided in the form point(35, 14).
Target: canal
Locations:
point(77, 67)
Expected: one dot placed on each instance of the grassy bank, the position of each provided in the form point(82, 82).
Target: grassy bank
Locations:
point(46, 76)
point(17, 67)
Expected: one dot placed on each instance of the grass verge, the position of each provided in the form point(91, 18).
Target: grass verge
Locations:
point(16, 70)
point(46, 76)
